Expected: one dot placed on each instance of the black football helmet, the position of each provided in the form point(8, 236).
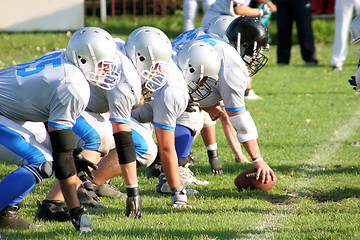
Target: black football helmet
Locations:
point(249, 36)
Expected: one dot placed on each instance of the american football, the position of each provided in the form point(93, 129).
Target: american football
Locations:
point(246, 180)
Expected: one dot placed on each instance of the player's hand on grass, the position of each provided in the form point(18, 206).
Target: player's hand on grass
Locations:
point(133, 203)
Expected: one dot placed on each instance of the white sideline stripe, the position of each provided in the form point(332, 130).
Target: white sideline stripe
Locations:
point(275, 219)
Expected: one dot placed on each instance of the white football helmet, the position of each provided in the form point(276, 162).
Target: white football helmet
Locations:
point(219, 25)
point(94, 51)
point(355, 30)
point(150, 51)
point(200, 65)
point(355, 33)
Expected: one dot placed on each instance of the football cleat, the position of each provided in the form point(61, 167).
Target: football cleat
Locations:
point(187, 177)
point(10, 220)
point(163, 187)
point(52, 210)
point(89, 198)
point(252, 96)
point(81, 222)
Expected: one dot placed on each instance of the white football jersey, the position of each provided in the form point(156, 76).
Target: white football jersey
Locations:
point(46, 89)
point(222, 7)
point(226, 7)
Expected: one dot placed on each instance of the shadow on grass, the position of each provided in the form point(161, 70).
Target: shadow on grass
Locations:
point(135, 233)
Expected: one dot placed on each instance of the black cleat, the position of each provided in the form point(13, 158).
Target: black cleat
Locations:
point(80, 221)
point(108, 190)
point(89, 198)
point(52, 210)
point(155, 169)
point(10, 220)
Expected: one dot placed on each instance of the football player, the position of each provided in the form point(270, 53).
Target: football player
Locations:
point(54, 89)
point(236, 8)
point(355, 39)
point(200, 65)
point(247, 37)
point(218, 27)
point(168, 103)
point(106, 126)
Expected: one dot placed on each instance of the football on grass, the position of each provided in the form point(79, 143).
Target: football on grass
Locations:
point(247, 181)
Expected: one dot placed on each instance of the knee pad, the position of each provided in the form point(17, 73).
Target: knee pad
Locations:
point(41, 170)
point(125, 147)
point(245, 127)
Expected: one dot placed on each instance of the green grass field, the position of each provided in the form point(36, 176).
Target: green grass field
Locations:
point(306, 122)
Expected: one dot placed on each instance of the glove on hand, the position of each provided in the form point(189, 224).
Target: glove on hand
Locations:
point(82, 165)
point(264, 11)
point(133, 203)
point(352, 82)
point(191, 106)
point(145, 97)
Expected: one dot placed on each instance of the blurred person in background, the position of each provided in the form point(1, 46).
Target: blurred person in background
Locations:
point(344, 11)
point(190, 10)
point(299, 11)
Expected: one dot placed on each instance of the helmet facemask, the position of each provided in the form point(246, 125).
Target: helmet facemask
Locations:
point(202, 89)
point(156, 77)
point(199, 84)
point(255, 59)
point(105, 75)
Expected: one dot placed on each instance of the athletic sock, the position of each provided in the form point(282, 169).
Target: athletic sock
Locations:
point(15, 186)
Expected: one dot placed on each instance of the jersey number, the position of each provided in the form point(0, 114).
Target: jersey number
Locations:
point(39, 64)
point(208, 39)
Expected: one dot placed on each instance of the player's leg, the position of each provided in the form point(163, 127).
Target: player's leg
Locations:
point(19, 146)
point(343, 16)
point(284, 24)
point(93, 133)
point(190, 8)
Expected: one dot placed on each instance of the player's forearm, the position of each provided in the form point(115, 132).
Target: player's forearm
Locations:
point(246, 11)
point(252, 149)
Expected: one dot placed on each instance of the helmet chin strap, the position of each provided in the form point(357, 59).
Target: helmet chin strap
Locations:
point(202, 71)
point(238, 42)
point(151, 55)
point(186, 67)
point(93, 57)
point(75, 59)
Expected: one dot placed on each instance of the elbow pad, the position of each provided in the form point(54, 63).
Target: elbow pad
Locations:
point(125, 147)
point(245, 127)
